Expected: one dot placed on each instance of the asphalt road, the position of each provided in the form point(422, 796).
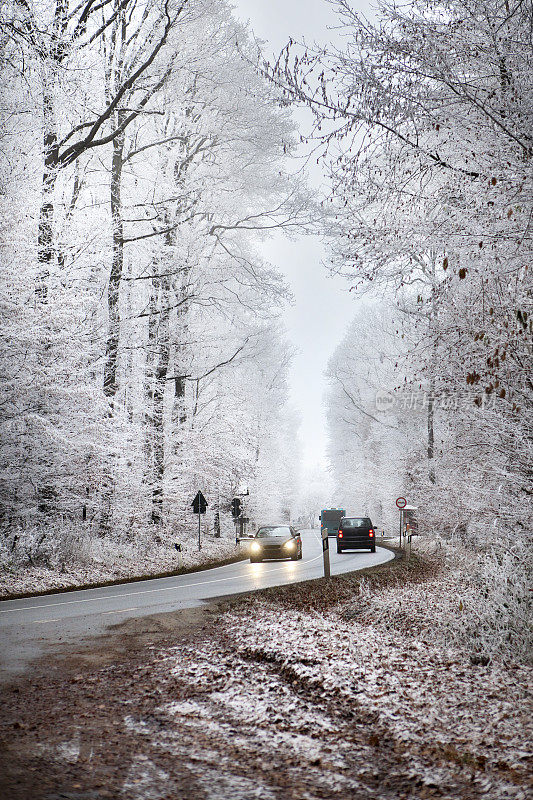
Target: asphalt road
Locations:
point(29, 626)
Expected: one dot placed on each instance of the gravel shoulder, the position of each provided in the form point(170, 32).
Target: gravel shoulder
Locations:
point(303, 692)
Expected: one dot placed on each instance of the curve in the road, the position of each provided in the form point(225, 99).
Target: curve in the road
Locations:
point(28, 624)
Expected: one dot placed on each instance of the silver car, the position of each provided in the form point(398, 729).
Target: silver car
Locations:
point(276, 541)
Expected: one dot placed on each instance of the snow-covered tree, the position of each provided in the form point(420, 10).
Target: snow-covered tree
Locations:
point(426, 121)
point(375, 412)
point(150, 361)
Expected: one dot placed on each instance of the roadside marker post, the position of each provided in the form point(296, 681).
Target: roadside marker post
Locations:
point(325, 552)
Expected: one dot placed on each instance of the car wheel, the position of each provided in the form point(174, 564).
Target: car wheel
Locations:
point(339, 549)
point(301, 555)
point(373, 549)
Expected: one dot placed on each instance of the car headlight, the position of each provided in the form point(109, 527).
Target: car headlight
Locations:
point(290, 545)
point(255, 547)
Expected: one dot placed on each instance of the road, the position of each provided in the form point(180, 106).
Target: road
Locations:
point(29, 626)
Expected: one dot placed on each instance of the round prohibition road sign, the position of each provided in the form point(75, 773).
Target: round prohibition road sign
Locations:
point(401, 502)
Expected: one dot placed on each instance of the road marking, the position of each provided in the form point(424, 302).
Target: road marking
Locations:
point(175, 588)
point(59, 619)
point(138, 593)
point(122, 611)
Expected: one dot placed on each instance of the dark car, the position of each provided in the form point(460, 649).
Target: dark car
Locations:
point(356, 533)
point(276, 541)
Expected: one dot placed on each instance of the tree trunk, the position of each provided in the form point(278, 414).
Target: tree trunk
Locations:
point(181, 365)
point(149, 378)
point(160, 381)
point(433, 321)
point(106, 506)
point(45, 240)
point(155, 381)
point(117, 266)
point(113, 331)
point(431, 435)
point(76, 191)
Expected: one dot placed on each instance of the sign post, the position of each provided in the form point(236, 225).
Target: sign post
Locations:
point(325, 552)
point(401, 502)
point(199, 505)
point(236, 511)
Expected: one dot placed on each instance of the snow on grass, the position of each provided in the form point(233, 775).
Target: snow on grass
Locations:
point(232, 717)
point(218, 785)
point(393, 651)
point(424, 696)
point(387, 669)
point(92, 559)
point(480, 601)
point(145, 781)
point(352, 687)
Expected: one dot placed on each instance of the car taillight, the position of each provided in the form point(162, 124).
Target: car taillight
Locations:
point(340, 534)
point(370, 532)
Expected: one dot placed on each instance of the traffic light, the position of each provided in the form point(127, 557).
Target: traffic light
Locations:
point(236, 507)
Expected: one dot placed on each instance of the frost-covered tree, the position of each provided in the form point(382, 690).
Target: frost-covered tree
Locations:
point(144, 366)
point(375, 413)
point(60, 41)
point(216, 180)
point(426, 121)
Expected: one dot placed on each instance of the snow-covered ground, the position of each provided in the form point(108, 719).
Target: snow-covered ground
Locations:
point(476, 718)
point(352, 688)
point(363, 687)
point(387, 656)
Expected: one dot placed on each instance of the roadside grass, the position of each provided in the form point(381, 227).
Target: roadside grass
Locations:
point(442, 592)
point(325, 594)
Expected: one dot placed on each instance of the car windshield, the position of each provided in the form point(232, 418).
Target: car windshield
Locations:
point(273, 530)
point(356, 522)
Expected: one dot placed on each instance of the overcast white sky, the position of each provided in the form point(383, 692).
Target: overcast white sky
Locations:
point(323, 307)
